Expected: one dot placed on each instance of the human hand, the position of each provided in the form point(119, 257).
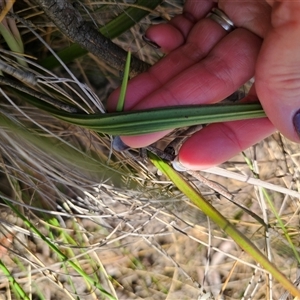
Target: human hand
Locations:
point(205, 64)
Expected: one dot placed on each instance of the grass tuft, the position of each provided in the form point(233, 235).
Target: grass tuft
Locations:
point(82, 221)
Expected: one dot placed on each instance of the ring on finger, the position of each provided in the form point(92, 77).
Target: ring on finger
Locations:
point(222, 19)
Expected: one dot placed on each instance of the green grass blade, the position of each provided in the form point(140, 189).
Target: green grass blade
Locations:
point(59, 253)
point(130, 17)
point(121, 100)
point(19, 292)
point(12, 42)
point(13, 39)
point(281, 224)
point(223, 223)
point(274, 211)
point(153, 120)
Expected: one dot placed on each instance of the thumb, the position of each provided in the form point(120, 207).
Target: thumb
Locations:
point(278, 69)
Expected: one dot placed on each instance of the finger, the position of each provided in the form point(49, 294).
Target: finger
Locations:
point(205, 34)
point(166, 37)
point(217, 143)
point(278, 72)
point(252, 15)
point(173, 34)
point(193, 10)
point(227, 67)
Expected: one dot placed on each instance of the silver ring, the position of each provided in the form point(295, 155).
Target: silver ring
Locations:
point(221, 18)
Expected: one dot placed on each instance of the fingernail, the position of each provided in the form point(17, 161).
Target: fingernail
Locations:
point(296, 121)
point(119, 145)
point(150, 43)
point(178, 166)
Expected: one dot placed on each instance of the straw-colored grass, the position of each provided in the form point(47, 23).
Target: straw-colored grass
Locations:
point(81, 221)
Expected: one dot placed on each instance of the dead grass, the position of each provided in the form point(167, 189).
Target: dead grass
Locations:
point(131, 229)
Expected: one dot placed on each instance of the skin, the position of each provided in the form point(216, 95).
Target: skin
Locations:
point(205, 64)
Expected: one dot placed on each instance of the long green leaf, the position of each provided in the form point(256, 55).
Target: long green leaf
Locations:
point(153, 120)
point(222, 222)
point(121, 100)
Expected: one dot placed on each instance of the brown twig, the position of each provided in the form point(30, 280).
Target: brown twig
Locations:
point(70, 22)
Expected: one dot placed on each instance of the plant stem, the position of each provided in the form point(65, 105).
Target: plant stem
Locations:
point(69, 21)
